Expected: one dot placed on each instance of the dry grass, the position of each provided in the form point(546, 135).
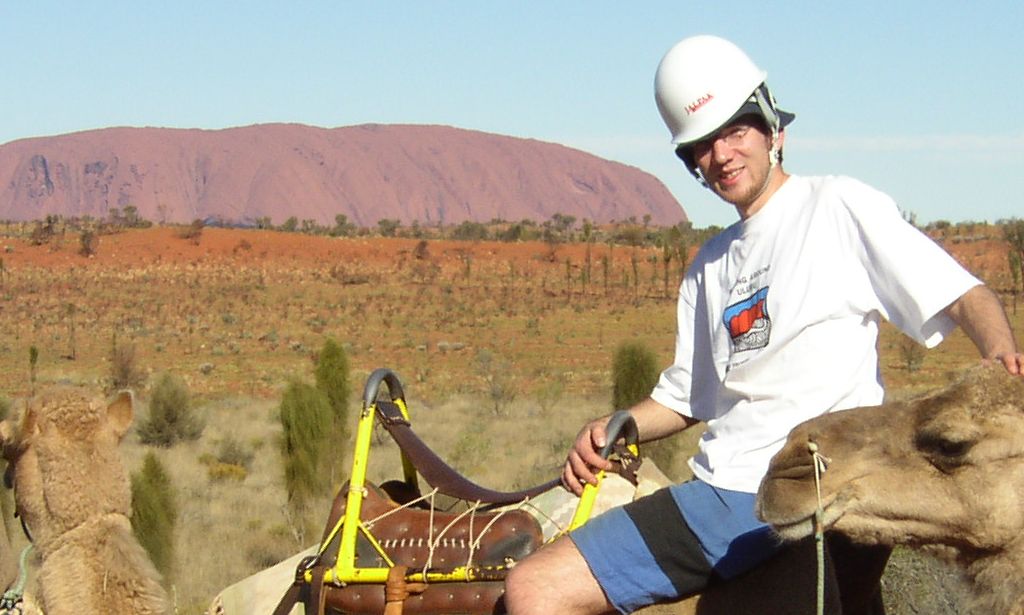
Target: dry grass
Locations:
point(240, 313)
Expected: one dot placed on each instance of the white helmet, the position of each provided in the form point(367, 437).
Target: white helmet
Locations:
point(704, 82)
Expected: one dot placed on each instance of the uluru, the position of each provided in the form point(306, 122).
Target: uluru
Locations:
point(429, 174)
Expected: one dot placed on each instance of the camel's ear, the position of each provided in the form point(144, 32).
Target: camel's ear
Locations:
point(120, 412)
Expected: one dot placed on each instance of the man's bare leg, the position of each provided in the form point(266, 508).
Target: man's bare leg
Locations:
point(554, 579)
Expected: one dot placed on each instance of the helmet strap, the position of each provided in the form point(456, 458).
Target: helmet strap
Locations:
point(766, 102)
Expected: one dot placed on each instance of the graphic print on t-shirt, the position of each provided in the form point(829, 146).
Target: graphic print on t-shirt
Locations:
point(748, 322)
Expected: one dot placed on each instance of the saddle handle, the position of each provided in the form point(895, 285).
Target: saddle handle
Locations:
point(372, 387)
point(620, 425)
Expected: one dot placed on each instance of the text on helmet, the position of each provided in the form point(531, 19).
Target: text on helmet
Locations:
point(697, 104)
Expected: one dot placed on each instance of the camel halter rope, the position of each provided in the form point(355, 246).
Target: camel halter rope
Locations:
point(11, 601)
point(820, 465)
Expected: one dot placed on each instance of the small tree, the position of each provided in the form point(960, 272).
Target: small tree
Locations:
point(33, 360)
point(499, 380)
point(1013, 232)
point(388, 227)
point(170, 419)
point(69, 310)
point(124, 368)
point(305, 415)
point(88, 242)
point(332, 379)
point(912, 354)
point(155, 513)
point(635, 373)
point(193, 232)
point(1014, 262)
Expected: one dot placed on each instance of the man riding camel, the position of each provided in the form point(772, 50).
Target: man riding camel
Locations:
point(778, 321)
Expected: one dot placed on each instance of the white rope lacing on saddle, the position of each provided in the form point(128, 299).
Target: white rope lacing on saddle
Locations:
point(433, 543)
point(820, 465)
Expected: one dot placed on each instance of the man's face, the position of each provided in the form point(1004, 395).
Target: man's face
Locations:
point(736, 163)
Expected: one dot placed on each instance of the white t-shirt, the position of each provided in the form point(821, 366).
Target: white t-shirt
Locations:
point(779, 316)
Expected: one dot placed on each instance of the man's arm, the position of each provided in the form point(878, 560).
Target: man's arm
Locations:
point(980, 314)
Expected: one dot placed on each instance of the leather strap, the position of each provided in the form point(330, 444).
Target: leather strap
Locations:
point(397, 590)
point(439, 474)
point(317, 595)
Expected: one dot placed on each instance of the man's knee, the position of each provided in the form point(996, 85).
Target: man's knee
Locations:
point(554, 579)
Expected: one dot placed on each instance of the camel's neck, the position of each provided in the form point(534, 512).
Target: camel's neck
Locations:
point(90, 531)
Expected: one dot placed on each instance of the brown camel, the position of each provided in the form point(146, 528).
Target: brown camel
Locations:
point(73, 495)
point(944, 470)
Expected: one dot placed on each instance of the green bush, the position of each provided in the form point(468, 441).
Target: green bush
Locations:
point(332, 377)
point(154, 513)
point(170, 419)
point(233, 452)
point(635, 371)
point(305, 416)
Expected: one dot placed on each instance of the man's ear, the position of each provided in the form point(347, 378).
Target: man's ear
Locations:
point(776, 149)
point(120, 412)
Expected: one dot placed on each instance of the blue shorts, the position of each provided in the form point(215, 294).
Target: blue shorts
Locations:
point(673, 543)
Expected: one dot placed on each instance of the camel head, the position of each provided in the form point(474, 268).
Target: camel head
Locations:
point(944, 470)
point(63, 461)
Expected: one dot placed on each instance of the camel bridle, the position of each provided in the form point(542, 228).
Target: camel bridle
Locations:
point(820, 463)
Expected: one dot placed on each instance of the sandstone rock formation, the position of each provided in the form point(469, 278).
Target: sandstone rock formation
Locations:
point(432, 174)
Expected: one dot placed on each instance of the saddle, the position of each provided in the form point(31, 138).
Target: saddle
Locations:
point(426, 540)
point(384, 551)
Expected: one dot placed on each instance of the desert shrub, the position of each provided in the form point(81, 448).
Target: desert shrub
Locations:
point(154, 513)
point(124, 367)
point(305, 415)
point(498, 377)
point(171, 418)
point(912, 354)
point(33, 361)
point(233, 452)
point(193, 232)
point(88, 242)
point(219, 472)
point(422, 250)
point(634, 373)
point(332, 378)
point(548, 393)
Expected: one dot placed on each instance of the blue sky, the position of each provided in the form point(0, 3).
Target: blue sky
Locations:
point(924, 100)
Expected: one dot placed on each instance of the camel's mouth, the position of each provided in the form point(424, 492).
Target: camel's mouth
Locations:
point(790, 509)
point(802, 527)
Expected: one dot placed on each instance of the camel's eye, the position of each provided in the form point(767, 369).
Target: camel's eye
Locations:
point(943, 451)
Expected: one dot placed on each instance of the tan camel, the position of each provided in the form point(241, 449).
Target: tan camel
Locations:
point(945, 469)
point(73, 495)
